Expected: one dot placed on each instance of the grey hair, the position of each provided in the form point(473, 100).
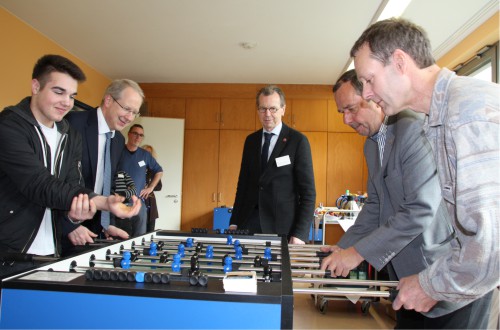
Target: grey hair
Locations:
point(386, 36)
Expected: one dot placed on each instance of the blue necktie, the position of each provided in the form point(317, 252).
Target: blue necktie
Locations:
point(265, 150)
point(106, 183)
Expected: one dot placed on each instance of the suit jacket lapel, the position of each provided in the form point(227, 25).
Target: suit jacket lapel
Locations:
point(92, 135)
point(389, 142)
point(281, 143)
point(278, 148)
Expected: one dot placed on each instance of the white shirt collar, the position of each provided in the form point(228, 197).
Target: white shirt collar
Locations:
point(276, 131)
point(103, 126)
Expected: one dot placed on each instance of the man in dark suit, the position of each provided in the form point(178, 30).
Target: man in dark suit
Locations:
point(119, 107)
point(275, 192)
point(403, 225)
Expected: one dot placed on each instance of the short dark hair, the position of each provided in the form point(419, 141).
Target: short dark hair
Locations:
point(349, 76)
point(55, 63)
point(384, 37)
point(270, 90)
point(135, 125)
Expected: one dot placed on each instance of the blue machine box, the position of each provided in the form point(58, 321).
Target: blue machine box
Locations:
point(222, 215)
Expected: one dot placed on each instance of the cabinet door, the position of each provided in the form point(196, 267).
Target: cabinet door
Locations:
point(202, 113)
point(309, 115)
point(345, 165)
point(319, 149)
point(167, 108)
point(231, 151)
point(336, 120)
point(199, 184)
point(237, 114)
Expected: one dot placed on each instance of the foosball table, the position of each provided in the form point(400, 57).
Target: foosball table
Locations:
point(169, 279)
point(129, 285)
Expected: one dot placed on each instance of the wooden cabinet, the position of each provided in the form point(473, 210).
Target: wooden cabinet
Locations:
point(231, 114)
point(212, 161)
point(202, 113)
point(199, 183)
point(238, 114)
point(167, 107)
point(336, 120)
point(307, 115)
point(230, 152)
point(319, 151)
point(345, 165)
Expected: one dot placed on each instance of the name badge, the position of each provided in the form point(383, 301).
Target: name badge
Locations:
point(142, 163)
point(282, 161)
point(120, 175)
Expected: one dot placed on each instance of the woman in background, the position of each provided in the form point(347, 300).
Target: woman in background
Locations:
point(151, 200)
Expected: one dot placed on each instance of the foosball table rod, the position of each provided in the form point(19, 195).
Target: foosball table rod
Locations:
point(217, 257)
point(344, 292)
point(117, 263)
point(345, 281)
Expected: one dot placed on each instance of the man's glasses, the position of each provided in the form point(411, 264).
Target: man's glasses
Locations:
point(271, 109)
point(137, 134)
point(128, 111)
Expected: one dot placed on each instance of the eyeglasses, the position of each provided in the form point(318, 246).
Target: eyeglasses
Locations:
point(137, 134)
point(271, 109)
point(128, 111)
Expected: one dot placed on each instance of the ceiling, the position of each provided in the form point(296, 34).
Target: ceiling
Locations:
point(199, 41)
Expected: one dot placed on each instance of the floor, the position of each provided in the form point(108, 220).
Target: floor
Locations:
point(340, 314)
point(343, 314)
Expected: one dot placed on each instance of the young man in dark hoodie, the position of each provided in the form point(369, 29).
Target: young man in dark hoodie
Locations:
point(40, 176)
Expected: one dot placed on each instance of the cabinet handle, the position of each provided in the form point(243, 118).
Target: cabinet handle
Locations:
point(293, 120)
point(222, 117)
point(216, 117)
point(219, 197)
point(213, 197)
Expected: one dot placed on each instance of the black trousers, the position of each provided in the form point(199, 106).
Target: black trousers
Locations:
point(472, 316)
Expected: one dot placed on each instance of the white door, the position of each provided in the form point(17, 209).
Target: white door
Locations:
point(167, 138)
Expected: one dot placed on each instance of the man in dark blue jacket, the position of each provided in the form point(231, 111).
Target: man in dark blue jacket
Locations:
point(119, 107)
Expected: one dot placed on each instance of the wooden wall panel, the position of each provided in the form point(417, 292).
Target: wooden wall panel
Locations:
point(319, 150)
point(335, 119)
point(310, 115)
point(238, 114)
point(345, 165)
point(231, 151)
point(167, 107)
point(202, 113)
point(199, 184)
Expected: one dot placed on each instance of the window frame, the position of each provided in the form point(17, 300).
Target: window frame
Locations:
point(482, 58)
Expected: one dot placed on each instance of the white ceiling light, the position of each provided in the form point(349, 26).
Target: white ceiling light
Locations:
point(387, 9)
